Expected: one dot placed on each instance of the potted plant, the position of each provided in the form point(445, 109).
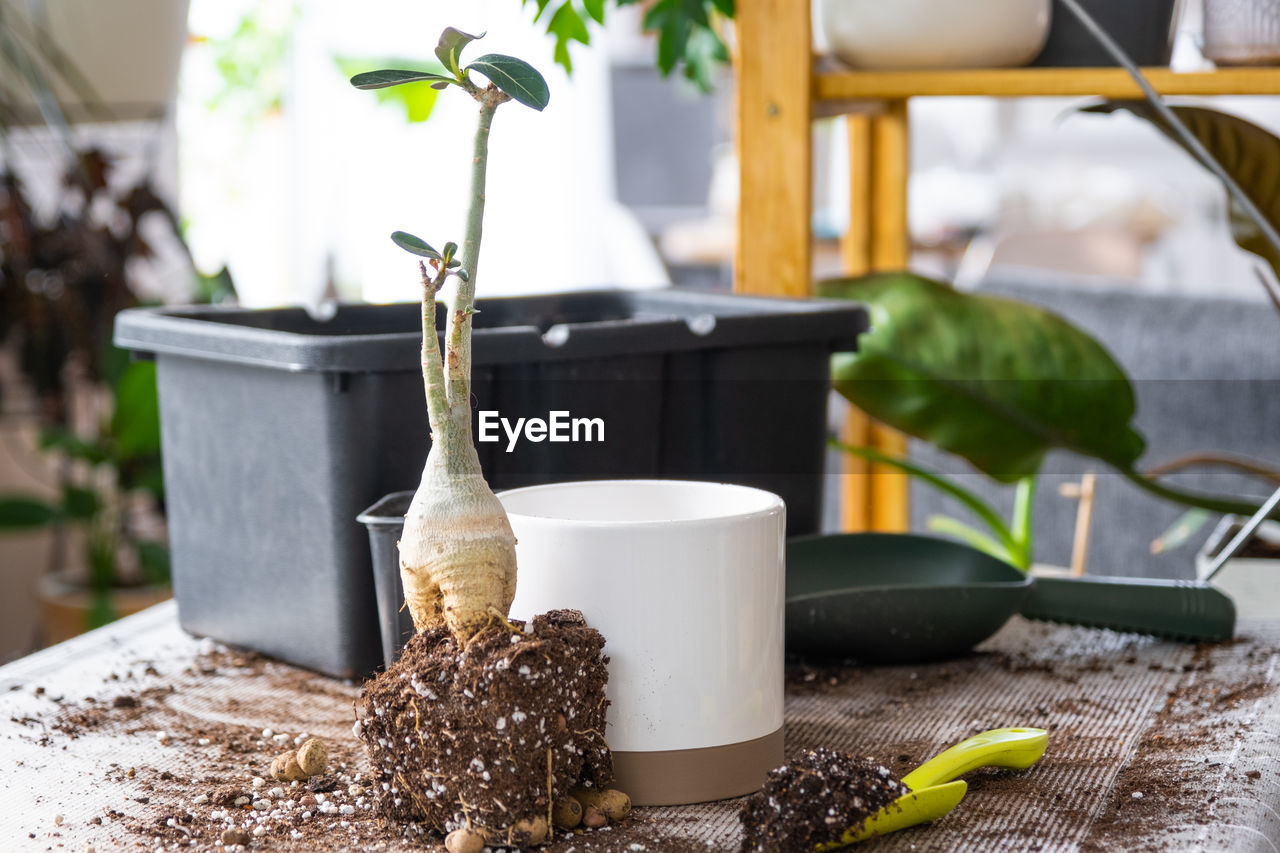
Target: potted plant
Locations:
point(483, 727)
point(63, 276)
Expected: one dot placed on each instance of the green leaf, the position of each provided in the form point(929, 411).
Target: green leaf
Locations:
point(153, 559)
point(394, 77)
point(515, 77)
point(80, 504)
point(414, 245)
point(416, 101)
point(995, 381)
point(22, 513)
point(450, 46)
point(61, 439)
point(725, 7)
point(595, 8)
point(1246, 152)
point(135, 422)
point(973, 538)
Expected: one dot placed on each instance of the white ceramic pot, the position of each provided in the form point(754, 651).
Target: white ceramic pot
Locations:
point(686, 582)
point(903, 34)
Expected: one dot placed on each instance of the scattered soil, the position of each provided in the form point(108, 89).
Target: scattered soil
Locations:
point(492, 733)
point(813, 799)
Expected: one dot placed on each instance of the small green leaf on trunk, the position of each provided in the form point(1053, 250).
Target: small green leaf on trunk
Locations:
point(414, 245)
point(515, 77)
point(452, 42)
point(595, 8)
point(394, 77)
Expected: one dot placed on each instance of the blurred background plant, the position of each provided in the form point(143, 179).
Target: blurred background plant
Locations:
point(83, 227)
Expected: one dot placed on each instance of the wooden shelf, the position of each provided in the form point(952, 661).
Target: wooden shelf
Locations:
point(848, 85)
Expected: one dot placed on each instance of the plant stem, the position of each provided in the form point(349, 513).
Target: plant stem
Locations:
point(1226, 506)
point(432, 365)
point(458, 360)
point(1020, 526)
point(978, 505)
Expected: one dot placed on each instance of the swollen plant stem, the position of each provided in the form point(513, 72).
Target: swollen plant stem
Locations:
point(1188, 138)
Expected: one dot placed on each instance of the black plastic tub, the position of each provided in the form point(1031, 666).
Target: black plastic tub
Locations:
point(278, 428)
point(1142, 28)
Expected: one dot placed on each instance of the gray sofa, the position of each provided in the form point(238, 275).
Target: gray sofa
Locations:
point(1207, 376)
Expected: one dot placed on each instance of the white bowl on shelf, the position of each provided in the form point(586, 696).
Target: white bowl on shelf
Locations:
point(935, 34)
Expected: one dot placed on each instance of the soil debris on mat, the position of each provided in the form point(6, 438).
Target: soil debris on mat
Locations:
point(813, 799)
point(490, 735)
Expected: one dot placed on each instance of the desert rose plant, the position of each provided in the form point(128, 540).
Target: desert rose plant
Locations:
point(457, 555)
point(489, 730)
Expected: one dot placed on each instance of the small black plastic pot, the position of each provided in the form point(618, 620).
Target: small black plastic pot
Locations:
point(1142, 28)
point(384, 522)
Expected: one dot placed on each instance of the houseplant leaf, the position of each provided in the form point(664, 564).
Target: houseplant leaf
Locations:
point(394, 77)
point(20, 513)
point(1249, 154)
point(416, 101)
point(135, 422)
point(515, 77)
point(997, 382)
point(450, 46)
point(415, 245)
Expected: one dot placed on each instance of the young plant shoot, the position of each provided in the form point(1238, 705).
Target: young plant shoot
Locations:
point(484, 729)
point(457, 554)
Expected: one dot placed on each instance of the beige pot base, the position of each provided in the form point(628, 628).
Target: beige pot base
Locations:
point(683, 776)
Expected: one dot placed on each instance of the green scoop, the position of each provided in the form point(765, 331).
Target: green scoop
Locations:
point(933, 793)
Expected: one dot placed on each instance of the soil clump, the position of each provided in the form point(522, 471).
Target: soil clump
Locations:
point(488, 735)
point(813, 799)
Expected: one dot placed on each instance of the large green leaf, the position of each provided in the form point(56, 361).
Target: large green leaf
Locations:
point(515, 77)
point(18, 512)
point(1249, 154)
point(995, 381)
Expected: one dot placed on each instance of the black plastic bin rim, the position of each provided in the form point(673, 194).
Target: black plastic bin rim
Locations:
point(667, 320)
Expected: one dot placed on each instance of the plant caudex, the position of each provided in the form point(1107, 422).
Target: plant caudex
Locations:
point(457, 553)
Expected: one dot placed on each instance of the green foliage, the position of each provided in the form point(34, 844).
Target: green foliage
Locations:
point(995, 381)
point(20, 512)
point(416, 101)
point(688, 32)
point(1246, 152)
point(414, 245)
point(514, 77)
point(251, 63)
point(135, 421)
point(449, 48)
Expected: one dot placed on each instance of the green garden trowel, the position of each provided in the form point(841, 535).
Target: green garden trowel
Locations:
point(933, 793)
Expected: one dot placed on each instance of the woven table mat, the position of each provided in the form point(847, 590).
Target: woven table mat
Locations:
point(1153, 745)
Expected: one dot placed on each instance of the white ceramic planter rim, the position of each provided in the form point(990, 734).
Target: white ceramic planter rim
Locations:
point(765, 502)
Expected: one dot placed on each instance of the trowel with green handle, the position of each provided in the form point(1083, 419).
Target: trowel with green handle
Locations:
point(933, 793)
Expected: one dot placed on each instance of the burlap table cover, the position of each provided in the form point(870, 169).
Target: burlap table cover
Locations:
point(1153, 745)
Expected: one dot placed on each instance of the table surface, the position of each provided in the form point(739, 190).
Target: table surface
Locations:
point(1153, 745)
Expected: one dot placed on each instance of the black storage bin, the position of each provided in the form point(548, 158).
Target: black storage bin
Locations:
point(1142, 28)
point(278, 428)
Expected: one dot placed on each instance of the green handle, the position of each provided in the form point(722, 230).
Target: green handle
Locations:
point(1017, 748)
point(1181, 610)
